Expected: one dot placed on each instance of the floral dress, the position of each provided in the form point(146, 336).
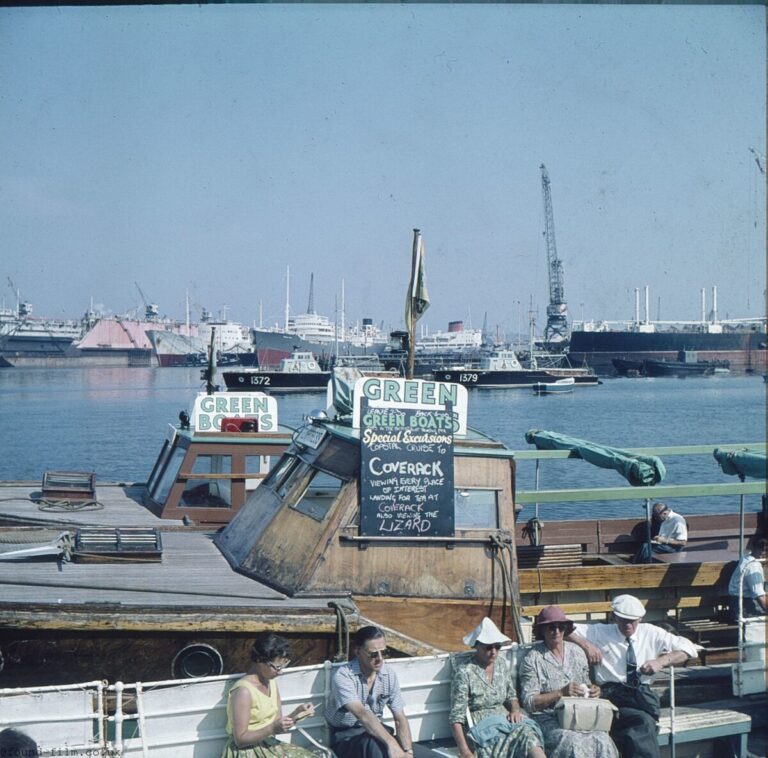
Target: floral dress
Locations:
point(263, 712)
point(471, 689)
point(542, 671)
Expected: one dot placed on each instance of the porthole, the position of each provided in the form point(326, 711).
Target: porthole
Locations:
point(197, 660)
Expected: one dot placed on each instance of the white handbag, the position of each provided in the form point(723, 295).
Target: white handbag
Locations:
point(585, 714)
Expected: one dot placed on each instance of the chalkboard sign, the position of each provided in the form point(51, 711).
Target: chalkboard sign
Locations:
point(406, 473)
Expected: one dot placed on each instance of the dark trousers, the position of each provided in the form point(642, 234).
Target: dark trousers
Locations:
point(750, 608)
point(635, 734)
point(635, 728)
point(645, 552)
point(355, 742)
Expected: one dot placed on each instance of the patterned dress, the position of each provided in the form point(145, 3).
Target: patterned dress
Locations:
point(542, 671)
point(471, 689)
point(263, 712)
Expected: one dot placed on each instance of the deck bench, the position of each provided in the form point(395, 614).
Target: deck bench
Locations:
point(691, 725)
point(549, 556)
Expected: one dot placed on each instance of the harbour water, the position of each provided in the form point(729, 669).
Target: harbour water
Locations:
point(113, 422)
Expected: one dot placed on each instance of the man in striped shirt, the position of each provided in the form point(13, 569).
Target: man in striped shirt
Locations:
point(360, 691)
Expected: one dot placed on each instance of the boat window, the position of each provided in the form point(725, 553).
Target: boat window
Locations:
point(216, 492)
point(320, 490)
point(258, 466)
point(475, 509)
point(280, 473)
point(162, 484)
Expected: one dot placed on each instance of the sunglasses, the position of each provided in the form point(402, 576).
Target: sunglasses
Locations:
point(373, 654)
point(275, 667)
point(556, 627)
point(494, 646)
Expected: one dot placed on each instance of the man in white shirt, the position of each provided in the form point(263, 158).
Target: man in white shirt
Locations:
point(672, 536)
point(627, 654)
point(753, 587)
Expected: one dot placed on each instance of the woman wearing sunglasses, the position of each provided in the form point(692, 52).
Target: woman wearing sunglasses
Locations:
point(553, 669)
point(254, 711)
point(485, 686)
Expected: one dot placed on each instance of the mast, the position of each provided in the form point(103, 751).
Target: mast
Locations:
point(287, 295)
point(556, 330)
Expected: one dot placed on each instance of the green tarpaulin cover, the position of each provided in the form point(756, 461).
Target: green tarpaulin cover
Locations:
point(742, 463)
point(638, 470)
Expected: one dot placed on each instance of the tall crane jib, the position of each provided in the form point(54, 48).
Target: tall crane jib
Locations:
point(556, 330)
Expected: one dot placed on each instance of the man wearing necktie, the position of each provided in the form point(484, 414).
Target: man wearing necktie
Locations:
point(627, 654)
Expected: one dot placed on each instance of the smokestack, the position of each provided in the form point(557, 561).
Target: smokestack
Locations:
point(647, 305)
point(714, 304)
point(703, 305)
point(637, 305)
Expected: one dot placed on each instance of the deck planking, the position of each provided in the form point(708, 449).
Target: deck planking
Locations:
point(121, 507)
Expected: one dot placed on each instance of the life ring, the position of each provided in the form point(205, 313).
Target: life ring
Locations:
point(197, 660)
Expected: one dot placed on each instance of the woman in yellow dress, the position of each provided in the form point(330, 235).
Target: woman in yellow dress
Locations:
point(254, 710)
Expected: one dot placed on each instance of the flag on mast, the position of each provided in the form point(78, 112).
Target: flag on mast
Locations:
point(417, 301)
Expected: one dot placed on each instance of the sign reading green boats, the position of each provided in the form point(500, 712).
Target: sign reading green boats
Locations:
point(406, 476)
point(416, 394)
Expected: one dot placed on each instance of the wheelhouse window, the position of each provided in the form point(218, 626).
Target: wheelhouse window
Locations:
point(318, 495)
point(214, 492)
point(166, 472)
point(475, 509)
point(257, 467)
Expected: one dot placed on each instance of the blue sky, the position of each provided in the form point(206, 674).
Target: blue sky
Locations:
point(207, 148)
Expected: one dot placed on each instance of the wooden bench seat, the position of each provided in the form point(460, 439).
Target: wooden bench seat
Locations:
point(549, 556)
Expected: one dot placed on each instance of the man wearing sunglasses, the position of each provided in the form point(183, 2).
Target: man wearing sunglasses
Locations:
point(359, 692)
point(627, 654)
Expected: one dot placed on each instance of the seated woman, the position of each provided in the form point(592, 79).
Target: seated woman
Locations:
point(486, 686)
point(552, 669)
point(254, 713)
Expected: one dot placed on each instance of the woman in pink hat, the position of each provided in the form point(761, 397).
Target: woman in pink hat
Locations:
point(485, 686)
point(553, 669)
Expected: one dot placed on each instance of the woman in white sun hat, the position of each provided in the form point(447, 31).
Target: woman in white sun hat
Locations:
point(485, 686)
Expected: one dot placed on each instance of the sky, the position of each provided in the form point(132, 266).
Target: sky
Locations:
point(206, 149)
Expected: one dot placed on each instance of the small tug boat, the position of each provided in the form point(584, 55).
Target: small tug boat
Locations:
point(299, 373)
point(502, 369)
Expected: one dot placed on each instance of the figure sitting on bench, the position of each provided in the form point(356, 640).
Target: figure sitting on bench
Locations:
point(359, 691)
point(753, 588)
point(672, 536)
point(627, 654)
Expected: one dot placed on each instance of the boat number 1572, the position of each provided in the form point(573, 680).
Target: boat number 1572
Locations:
point(260, 380)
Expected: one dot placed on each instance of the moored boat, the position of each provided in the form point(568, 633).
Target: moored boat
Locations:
point(558, 387)
point(502, 369)
point(299, 373)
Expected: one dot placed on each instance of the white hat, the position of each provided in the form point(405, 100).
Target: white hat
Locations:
point(487, 633)
point(628, 607)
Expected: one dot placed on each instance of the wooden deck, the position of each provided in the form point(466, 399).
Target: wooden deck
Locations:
point(120, 506)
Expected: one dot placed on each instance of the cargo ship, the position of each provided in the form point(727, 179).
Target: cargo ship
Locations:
point(739, 342)
point(27, 340)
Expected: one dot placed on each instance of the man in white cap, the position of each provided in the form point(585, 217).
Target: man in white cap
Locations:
point(627, 654)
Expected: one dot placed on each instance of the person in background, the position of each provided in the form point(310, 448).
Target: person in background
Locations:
point(553, 669)
point(254, 709)
point(627, 655)
point(672, 535)
point(753, 587)
point(486, 686)
point(359, 692)
point(16, 744)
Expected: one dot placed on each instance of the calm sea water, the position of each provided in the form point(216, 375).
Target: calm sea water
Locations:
point(113, 422)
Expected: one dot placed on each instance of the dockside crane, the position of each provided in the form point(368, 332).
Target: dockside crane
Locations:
point(151, 311)
point(556, 330)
